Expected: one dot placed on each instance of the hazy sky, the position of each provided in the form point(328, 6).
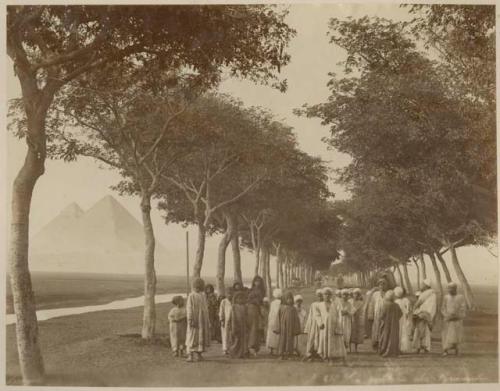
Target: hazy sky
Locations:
point(307, 74)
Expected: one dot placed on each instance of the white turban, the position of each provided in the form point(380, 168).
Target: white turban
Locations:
point(327, 290)
point(356, 290)
point(452, 284)
point(297, 298)
point(427, 282)
point(398, 291)
point(319, 291)
point(389, 295)
point(277, 293)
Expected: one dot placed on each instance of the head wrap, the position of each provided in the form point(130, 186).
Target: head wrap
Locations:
point(389, 295)
point(452, 285)
point(356, 290)
point(418, 293)
point(327, 290)
point(277, 293)
point(319, 291)
point(398, 292)
point(298, 298)
point(427, 282)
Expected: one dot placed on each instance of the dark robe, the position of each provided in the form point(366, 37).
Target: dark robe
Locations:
point(213, 315)
point(288, 328)
point(254, 319)
point(238, 321)
point(389, 329)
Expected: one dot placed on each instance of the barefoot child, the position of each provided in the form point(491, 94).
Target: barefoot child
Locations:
point(178, 324)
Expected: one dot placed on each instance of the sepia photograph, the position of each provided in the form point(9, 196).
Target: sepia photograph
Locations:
point(249, 194)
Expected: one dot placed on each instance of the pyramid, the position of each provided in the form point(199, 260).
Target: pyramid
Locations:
point(104, 239)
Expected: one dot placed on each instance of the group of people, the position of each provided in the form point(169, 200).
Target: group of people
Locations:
point(336, 323)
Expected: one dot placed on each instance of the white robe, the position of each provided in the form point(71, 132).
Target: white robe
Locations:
point(456, 308)
point(224, 316)
point(347, 320)
point(312, 328)
point(405, 325)
point(331, 336)
point(425, 309)
point(377, 300)
point(272, 324)
point(198, 328)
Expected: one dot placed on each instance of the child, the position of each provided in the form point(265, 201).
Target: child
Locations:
point(178, 325)
point(299, 340)
point(238, 323)
point(288, 327)
point(225, 326)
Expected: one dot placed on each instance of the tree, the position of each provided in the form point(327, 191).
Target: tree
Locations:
point(398, 93)
point(125, 126)
point(228, 160)
point(53, 45)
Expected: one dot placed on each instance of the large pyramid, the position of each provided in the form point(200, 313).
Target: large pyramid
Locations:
point(104, 239)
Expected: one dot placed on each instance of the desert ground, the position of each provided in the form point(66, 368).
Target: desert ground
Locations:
point(103, 349)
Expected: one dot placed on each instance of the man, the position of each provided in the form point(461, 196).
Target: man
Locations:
point(388, 345)
point(312, 328)
point(198, 328)
point(423, 315)
point(346, 311)
point(224, 316)
point(331, 344)
point(273, 320)
point(454, 311)
point(377, 303)
point(406, 321)
point(358, 327)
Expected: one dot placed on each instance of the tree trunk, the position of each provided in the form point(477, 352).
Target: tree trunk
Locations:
point(282, 280)
point(409, 287)
point(438, 276)
point(221, 259)
point(469, 297)
point(268, 275)
point(277, 269)
point(444, 266)
point(200, 251)
point(422, 263)
point(30, 357)
point(149, 314)
point(235, 245)
point(400, 276)
point(418, 274)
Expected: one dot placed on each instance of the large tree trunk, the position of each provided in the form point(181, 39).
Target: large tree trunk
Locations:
point(409, 287)
point(438, 276)
point(267, 275)
point(422, 263)
point(235, 245)
point(221, 258)
point(200, 250)
point(277, 268)
point(149, 314)
point(469, 297)
point(30, 357)
point(400, 276)
point(444, 266)
point(281, 266)
point(417, 267)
